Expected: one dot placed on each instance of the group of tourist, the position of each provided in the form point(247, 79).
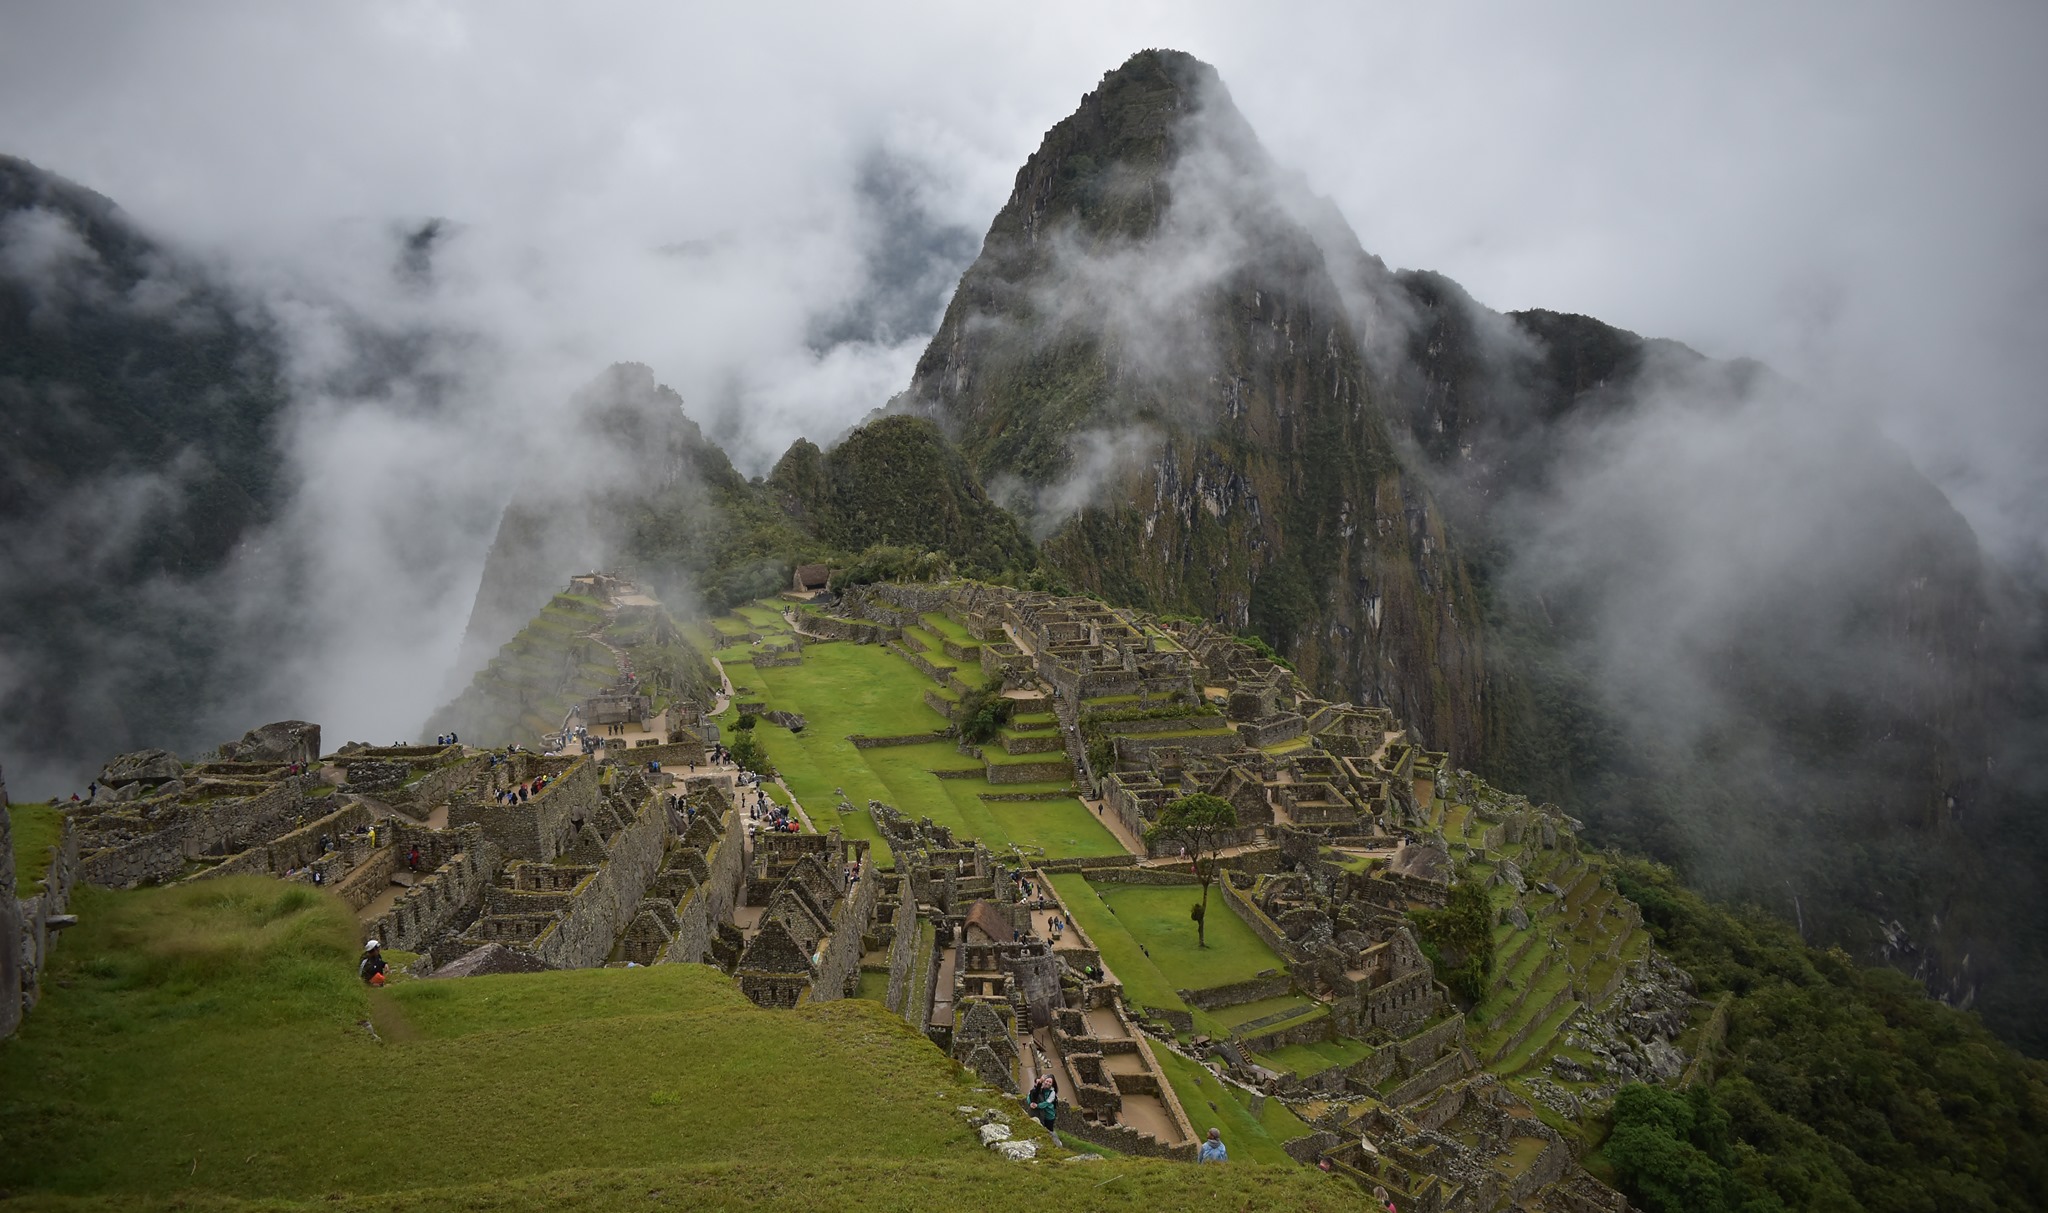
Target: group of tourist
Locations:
point(764, 815)
point(525, 791)
point(446, 739)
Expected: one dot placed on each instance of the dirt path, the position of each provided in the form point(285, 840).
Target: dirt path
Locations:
point(390, 1023)
point(1118, 830)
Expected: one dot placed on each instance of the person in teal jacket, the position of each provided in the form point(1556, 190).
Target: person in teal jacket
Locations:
point(1212, 1149)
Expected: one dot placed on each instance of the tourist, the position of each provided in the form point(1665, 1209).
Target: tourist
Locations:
point(1044, 1105)
point(412, 858)
point(1379, 1197)
point(371, 970)
point(1212, 1149)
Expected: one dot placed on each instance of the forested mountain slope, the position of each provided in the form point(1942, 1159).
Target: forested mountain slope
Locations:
point(139, 401)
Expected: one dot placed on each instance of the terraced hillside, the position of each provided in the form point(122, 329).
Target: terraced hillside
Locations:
point(876, 719)
point(580, 643)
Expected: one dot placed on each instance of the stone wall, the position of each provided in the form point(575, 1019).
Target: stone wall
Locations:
point(839, 965)
point(703, 908)
point(1153, 876)
point(25, 949)
point(201, 829)
point(1262, 925)
point(1028, 772)
point(583, 935)
point(437, 900)
point(863, 742)
point(540, 828)
point(10, 927)
point(1252, 990)
point(902, 946)
point(296, 849)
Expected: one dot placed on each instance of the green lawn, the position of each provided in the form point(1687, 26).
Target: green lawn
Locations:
point(848, 689)
point(1158, 914)
point(35, 829)
point(1211, 1103)
point(1144, 985)
point(944, 625)
point(200, 1044)
point(1244, 1013)
point(1316, 1057)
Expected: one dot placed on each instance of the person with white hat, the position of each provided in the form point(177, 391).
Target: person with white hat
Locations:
point(372, 968)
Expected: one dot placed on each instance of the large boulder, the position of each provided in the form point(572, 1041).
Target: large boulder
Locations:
point(281, 742)
point(492, 958)
point(143, 766)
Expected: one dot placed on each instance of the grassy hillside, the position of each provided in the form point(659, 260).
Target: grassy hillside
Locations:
point(209, 1045)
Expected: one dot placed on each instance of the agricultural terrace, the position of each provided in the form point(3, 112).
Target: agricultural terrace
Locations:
point(844, 690)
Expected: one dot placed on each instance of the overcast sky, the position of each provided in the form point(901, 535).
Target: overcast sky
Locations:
point(1854, 192)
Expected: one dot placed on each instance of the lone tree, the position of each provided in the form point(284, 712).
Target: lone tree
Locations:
point(1200, 823)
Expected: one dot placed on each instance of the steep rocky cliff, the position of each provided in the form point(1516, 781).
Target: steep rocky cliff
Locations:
point(1713, 612)
point(1159, 360)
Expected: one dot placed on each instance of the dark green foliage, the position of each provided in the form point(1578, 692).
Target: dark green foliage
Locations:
point(746, 724)
point(749, 754)
point(1671, 1152)
point(896, 481)
point(1843, 1088)
point(1458, 940)
point(982, 715)
point(1101, 755)
point(1203, 824)
point(1171, 711)
point(888, 562)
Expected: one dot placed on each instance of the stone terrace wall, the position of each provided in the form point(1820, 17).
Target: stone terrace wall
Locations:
point(437, 901)
point(710, 903)
point(902, 945)
point(1251, 990)
point(1259, 921)
point(294, 850)
point(201, 829)
point(842, 949)
point(25, 951)
point(584, 933)
point(538, 829)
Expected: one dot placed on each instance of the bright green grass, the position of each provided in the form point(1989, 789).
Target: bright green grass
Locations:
point(848, 689)
point(1317, 1056)
point(216, 1023)
point(199, 1046)
point(1143, 983)
point(873, 985)
point(818, 1183)
point(1245, 1012)
point(1211, 1103)
point(1158, 915)
point(944, 625)
point(36, 828)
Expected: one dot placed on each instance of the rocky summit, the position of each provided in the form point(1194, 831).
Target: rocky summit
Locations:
point(1235, 693)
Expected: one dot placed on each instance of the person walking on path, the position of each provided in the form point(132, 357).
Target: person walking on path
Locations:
point(1044, 1106)
point(1212, 1149)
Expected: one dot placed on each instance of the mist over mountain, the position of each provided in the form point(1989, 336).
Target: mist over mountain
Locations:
point(1704, 604)
point(141, 401)
point(1709, 609)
